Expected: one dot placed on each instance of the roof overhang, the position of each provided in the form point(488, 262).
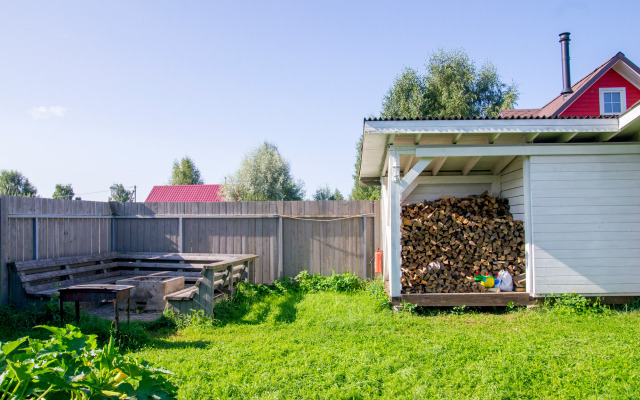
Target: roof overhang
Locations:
point(500, 140)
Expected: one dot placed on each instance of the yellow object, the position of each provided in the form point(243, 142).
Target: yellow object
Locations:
point(489, 282)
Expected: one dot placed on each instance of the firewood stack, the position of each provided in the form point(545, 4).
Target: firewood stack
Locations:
point(447, 242)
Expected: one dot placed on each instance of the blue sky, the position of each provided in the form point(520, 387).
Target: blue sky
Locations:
point(94, 93)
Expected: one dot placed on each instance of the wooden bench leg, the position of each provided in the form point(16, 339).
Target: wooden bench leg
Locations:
point(115, 310)
point(128, 311)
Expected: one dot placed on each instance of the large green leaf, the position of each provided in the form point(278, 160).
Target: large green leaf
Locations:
point(8, 348)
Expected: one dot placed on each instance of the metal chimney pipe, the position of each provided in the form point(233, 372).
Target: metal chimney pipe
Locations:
point(566, 70)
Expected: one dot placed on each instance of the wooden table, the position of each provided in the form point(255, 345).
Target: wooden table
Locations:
point(96, 293)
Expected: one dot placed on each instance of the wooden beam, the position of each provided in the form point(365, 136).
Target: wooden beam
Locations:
point(605, 137)
point(528, 226)
point(468, 299)
point(566, 137)
point(494, 137)
point(407, 164)
point(438, 162)
point(468, 166)
point(418, 137)
point(502, 164)
point(395, 190)
point(537, 149)
point(414, 172)
point(532, 136)
point(457, 137)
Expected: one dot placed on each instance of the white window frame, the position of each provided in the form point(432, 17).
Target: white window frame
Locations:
point(623, 99)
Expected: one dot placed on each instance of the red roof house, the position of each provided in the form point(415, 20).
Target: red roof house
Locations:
point(610, 89)
point(185, 193)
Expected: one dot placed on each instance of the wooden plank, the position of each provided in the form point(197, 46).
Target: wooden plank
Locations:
point(237, 230)
point(273, 241)
point(468, 299)
point(229, 229)
point(152, 226)
point(244, 229)
point(139, 226)
point(259, 276)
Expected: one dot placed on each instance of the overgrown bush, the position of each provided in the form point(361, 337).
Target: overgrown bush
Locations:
point(16, 323)
point(70, 365)
point(573, 303)
point(346, 282)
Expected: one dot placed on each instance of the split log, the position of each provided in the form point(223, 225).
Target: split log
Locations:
point(446, 242)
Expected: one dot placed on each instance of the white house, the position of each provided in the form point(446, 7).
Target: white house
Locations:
point(575, 182)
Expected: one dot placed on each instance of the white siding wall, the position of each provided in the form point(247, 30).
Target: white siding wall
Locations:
point(512, 188)
point(435, 191)
point(586, 224)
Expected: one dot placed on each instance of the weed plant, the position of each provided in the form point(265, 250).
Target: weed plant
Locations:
point(69, 365)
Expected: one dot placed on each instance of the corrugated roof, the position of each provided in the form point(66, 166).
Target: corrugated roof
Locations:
point(491, 118)
point(185, 193)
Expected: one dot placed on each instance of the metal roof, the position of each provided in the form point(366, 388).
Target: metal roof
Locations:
point(185, 193)
point(490, 118)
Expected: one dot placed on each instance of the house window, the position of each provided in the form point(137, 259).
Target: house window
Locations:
point(613, 101)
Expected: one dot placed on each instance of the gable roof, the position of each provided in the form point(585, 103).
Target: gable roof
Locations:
point(185, 193)
point(561, 102)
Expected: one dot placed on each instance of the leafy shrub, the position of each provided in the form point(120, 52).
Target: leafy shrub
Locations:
point(573, 303)
point(191, 319)
point(70, 365)
point(15, 323)
point(346, 282)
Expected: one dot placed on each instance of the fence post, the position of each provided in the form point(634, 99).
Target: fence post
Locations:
point(4, 251)
point(179, 234)
point(364, 247)
point(280, 248)
point(35, 238)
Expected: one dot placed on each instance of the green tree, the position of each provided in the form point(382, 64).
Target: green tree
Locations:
point(185, 172)
point(63, 192)
point(359, 192)
point(324, 193)
point(264, 175)
point(452, 87)
point(120, 194)
point(13, 183)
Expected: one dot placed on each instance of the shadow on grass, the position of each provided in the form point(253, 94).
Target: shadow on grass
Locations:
point(282, 307)
point(170, 345)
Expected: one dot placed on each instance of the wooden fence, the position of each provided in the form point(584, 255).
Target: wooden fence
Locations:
point(288, 237)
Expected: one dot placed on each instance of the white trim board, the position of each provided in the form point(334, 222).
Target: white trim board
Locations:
point(490, 126)
point(524, 149)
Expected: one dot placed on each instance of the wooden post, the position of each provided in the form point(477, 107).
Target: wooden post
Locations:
point(528, 227)
point(180, 235)
point(115, 311)
point(4, 251)
point(364, 247)
point(113, 234)
point(280, 248)
point(35, 238)
point(395, 287)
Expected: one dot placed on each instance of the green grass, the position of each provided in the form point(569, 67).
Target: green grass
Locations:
point(329, 345)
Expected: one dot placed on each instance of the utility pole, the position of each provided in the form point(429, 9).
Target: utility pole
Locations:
point(134, 194)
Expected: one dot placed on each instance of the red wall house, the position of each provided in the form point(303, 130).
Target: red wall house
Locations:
point(588, 104)
point(610, 89)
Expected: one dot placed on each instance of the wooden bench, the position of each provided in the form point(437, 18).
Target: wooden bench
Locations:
point(219, 282)
point(43, 278)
